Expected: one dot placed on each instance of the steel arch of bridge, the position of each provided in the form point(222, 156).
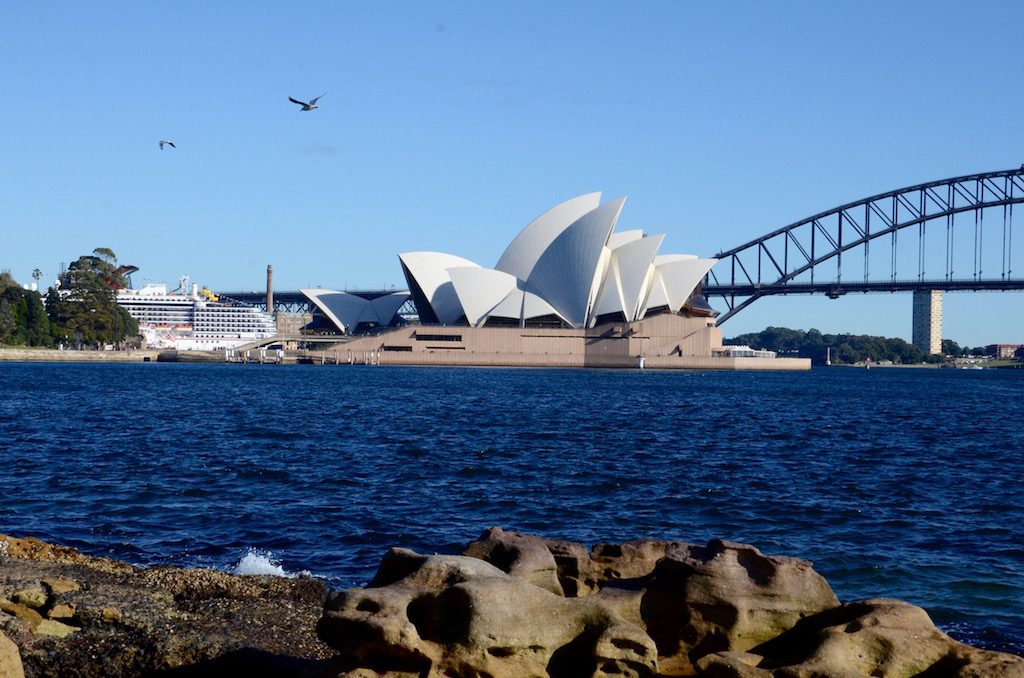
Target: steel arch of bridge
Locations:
point(773, 263)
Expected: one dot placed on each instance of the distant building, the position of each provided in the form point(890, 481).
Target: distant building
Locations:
point(927, 333)
point(1003, 351)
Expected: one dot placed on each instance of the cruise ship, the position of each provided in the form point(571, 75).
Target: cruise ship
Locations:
point(193, 321)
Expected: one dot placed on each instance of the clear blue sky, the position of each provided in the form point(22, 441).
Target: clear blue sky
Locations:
point(449, 126)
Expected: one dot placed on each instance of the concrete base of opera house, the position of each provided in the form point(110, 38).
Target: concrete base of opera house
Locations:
point(664, 341)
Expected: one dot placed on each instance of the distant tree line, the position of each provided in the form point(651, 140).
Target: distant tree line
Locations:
point(845, 348)
point(83, 312)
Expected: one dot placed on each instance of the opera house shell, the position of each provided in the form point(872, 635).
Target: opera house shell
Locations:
point(568, 268)
point(351, 312)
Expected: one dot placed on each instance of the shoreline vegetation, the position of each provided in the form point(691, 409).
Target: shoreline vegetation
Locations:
point(510, 605)
point(81, 308)
point(855, 349)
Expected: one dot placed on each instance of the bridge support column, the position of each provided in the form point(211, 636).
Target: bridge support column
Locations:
point(927, 334)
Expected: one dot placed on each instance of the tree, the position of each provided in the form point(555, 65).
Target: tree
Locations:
point(846, 348)
point(106, 254)
point(8, 324)
point(86, 311)
point(23, 320)
point(951, 348)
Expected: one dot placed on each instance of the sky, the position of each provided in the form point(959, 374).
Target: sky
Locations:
point(450, 126)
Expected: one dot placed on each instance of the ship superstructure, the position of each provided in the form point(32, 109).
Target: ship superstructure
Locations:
point(192, 320)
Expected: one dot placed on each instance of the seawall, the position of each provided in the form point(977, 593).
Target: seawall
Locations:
point(48, 355)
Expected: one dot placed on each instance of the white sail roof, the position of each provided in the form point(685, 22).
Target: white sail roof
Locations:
point(430, 273)
point(680, 277)
point(526, 249)
point(568, 273)
point(480, 290)
point(347, 310)
point(629, 277)
point(387, 306)
point(620, 238)
point(567, 263)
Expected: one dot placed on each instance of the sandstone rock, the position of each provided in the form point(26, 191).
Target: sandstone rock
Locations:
point(455, 615)
point(732, 665)
point(57, 586)
point(26, 615)
point(31, 548)
point(879, 637)
point(642, 608)
point(33, 598)
point(50, 627)
point(568, 568)
point(522, 556)
point(110, 615)
point(10, 659)
point(633, 559)
point(62, 612)
point(726, 596)
point(574, 567)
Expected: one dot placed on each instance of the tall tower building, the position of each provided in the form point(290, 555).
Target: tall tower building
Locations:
point(927, 334)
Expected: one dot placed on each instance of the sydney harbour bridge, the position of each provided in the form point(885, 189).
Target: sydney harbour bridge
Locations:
point(948, 235)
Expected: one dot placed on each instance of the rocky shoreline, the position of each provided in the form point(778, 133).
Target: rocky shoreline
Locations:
point(511, 605)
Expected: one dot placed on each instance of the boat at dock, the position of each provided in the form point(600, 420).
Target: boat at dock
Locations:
point(188, 319)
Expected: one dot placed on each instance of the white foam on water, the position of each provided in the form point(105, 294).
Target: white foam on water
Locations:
point(261, 563)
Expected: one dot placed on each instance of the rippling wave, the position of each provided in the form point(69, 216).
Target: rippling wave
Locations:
point(897, 483)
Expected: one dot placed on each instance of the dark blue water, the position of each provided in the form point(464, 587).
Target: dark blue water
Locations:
point(896, 483)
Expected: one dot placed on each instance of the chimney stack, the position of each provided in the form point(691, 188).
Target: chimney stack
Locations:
point(270, 289)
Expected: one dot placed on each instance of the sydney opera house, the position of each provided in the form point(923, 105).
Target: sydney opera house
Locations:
point(568, 291)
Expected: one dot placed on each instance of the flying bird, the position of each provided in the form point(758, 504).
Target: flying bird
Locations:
point(167, 142)
point(307, 107)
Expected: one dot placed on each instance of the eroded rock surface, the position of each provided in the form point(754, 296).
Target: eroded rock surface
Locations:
point(519, 605)
point(878, 637)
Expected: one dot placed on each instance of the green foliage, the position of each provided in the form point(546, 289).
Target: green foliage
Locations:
point(23, 320)
point(952, 349)
point(106, 254)
point(846, 348)
point(86, 309)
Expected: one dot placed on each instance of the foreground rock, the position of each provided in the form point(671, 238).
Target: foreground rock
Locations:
point(515, 605)
point(512, 605)
point(69, 614)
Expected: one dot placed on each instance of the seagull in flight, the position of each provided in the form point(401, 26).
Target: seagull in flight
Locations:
point(307, 107)
point(166, 142)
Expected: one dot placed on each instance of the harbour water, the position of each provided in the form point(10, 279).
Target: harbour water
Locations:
point(896, 483)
